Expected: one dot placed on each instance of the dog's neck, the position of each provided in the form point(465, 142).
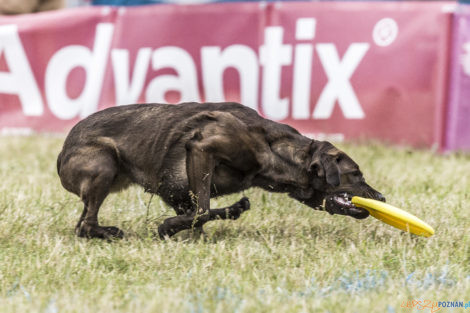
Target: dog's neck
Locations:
point(284, 169)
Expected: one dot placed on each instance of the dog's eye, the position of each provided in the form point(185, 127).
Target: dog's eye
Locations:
point(356, 176)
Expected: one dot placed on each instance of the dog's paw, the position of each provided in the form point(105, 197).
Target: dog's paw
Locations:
point(238, 208)
point(245, 203)
point(95, 231)
point(163, 232)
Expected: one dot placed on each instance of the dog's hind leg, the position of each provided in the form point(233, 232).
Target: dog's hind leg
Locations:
point(94, 193)
point(82, 218)
point(90, 175)
point(88, 224)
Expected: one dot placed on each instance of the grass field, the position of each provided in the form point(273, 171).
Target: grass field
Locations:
point(280, 256)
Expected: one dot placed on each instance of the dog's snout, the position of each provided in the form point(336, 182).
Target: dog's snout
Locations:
point(380, 197)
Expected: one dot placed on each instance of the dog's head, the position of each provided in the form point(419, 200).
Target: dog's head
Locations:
point(335, 178)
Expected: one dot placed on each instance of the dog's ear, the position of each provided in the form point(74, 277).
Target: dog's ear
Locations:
point(315, 168)
point(332, 170)
point(323, 164)
point(317, 174)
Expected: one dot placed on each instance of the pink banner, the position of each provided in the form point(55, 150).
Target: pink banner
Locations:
point(458, 122)
point(354, 70)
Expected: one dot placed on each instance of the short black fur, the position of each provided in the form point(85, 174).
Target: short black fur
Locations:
point(191, 152)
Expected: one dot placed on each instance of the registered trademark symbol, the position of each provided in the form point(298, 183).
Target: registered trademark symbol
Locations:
point(385, 32)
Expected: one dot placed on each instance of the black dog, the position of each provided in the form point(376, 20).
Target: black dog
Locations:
point(191, 152)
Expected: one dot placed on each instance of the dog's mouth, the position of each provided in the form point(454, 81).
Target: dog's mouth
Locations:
point(341, 204)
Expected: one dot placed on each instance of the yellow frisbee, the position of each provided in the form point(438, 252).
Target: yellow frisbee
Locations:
point(394, 216)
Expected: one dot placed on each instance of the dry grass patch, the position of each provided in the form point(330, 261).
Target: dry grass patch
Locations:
point(279, 257)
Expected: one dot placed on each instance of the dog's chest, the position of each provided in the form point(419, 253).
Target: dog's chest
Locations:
point(227, 180)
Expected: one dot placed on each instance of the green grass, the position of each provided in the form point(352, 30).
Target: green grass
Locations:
point(279, 257)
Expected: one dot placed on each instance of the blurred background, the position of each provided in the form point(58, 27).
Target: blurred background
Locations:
point(381, 73)
point(393, 71)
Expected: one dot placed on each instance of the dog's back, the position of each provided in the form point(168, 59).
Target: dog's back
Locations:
point(142, 139)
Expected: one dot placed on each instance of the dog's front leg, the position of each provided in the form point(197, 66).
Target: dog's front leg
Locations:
point(199, 167)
